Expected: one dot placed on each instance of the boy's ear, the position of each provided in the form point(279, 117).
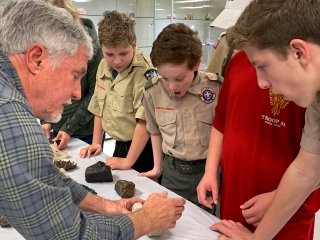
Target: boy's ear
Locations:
point(35, 55)
point(301, 51)
point(196, 67)
point(134, 46)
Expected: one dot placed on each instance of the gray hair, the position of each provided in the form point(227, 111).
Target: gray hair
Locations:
point(24, 22)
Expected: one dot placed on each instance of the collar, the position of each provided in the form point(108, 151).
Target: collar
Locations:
point(7, 68)
point(139, 60)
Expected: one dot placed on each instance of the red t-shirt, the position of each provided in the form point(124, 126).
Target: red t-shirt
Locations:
point(262, 134)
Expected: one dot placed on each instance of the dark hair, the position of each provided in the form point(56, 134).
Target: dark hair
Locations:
point(176, 44)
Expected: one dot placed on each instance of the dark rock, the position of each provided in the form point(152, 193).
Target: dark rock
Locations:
point(67, 165)
point(3, 222)
point(124, 188)
point(99, 172)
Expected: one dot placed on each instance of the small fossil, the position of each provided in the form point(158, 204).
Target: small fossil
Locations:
point(67, 165)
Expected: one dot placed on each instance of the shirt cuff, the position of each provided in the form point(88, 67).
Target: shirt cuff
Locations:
point(310, 144)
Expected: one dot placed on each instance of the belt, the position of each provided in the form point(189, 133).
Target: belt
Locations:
point(188, 167)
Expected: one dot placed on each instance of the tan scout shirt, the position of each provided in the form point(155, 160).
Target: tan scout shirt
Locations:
point(310, 140)
point(118, 101)
point(184, 122)
point(219, 55)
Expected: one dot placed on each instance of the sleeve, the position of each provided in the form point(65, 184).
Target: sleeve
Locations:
point(137, 96)
point(35, 198)
point(310, 140)
point(221, 108)
point(94, 106)
point(82, 114)
point(148, 104)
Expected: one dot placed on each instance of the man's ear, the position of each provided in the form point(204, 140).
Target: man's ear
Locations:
point(196, 67)
point(35, 56)
point(301, 51)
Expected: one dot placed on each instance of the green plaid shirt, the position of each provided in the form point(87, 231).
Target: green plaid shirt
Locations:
point(35, 198)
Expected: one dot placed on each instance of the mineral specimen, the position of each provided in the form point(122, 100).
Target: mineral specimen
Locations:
point(99, 172)
point(3, 222)
point(124, 188)
point(67, 165)
point(57, 154)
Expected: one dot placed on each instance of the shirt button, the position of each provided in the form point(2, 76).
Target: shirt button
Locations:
point(187, 109)
point(188, 131)
point(189, 150)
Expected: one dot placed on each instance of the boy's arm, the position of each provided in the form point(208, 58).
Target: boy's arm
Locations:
point(154, 174)
point(95, 147)
point(139, 141)
point(209, 181)
point(301, 178)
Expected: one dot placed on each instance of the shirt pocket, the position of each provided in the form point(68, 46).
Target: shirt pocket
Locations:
point(167, 127)
point(204, 122)
point(123, 99)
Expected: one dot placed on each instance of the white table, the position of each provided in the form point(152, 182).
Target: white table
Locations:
point(194, 223)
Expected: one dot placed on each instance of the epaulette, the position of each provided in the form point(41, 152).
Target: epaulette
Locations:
point(151, 73)
point(220, 78)
point(148, 85)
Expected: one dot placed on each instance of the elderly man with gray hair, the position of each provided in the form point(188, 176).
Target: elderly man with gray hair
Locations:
point(43, 55)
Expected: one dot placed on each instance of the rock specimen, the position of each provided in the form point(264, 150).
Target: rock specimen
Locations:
point(137, 206)
point(57, 154)
point(99, 172)
point(3, 222)
point(124, 188)
point(67, 165)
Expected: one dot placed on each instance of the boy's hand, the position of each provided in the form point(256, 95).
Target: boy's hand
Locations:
point(254, 209)
point(231, 230)
point(118, 163)
point(208, 183)
point(153, 174)
point(64, 137)
point(94, 148)
point(47, 128)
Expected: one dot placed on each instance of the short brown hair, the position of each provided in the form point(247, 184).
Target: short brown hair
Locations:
point(272, 24)
point(176, 44)
point(66, 4)
point(116, 29)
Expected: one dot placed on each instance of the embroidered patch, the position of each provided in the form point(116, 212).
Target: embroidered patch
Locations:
point(151, 73)
point(207, 95)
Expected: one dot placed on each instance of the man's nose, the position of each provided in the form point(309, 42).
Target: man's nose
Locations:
point(77, 92)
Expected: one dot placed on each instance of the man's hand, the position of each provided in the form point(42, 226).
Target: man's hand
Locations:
point(64, 137)
point(157, 214)
point(153, 174)
point(118, 163)
point(47, 129)
point(208, 183)
point(94, 148)
point(231, 230)
point(127, 203)
point(254, 209)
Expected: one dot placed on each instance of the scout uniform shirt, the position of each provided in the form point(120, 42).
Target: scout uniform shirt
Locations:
point(184, 122)
point(219, 56)
point(118, 100)
point(310, 140)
